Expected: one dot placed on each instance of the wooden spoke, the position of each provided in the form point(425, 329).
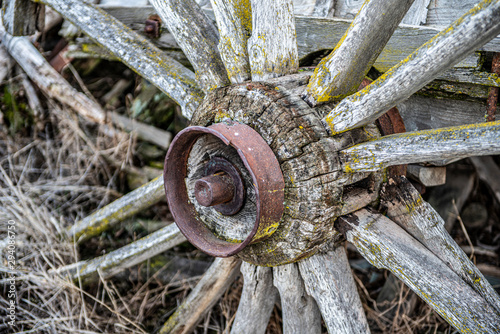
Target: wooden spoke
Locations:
point(386, 245)
point(340, 73)
point(126, 206)
point(134, 253)
point(197, 37)
point(328, 279)
point(234, 19)
point(48, 79)
point(256, 302)
point(421, 146)
point(406, 207)
point(205, 294)
point(300, 311)
point(272, 47)
point(466, 34)
point(135, 51)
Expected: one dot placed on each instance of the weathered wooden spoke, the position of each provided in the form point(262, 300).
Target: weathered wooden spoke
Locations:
point(205, 294)
point(328, 279)
point(300, 311)
point(340, 73)
point(422, 146)
point(126, 206)
point(386, 245)
point(135, 51)
point(257, 300)
point(406, 207)
point(198, 38)
point(466, 34)
point(272, 47)
point(234, 19)
point(134, 253)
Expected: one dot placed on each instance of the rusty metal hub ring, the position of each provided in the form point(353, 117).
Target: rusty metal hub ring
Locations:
point(261, 164)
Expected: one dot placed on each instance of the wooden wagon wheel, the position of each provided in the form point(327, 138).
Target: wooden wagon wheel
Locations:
point(331, 159)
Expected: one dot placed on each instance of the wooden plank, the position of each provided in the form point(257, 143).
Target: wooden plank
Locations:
point(444, 12)
point(341, 72)
point(417, 14)
point(421, 146)
point(116, 261)
point(203, 297)
point(22, 17)
point(124, 207)
point(257, 300)
point(234, 19)
point(406, 207)
point(471, 76)
point(197, 37)
point(135, 51)
point(272, 47)
point(48, 79)
point(428, 176)
point(421, 113)
point(300, 311)
point(447, 48)
point(328, 279)
point(386, 245)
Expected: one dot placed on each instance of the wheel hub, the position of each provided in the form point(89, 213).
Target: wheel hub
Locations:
point(258, 176)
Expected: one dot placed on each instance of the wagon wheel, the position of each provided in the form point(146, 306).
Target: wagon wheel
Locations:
point(308, 141)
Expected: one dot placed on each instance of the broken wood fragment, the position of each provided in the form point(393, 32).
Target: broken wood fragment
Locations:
point(429, 176)
point(23, 17)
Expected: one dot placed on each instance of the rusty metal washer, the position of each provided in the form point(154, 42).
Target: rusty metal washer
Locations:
point(261, 164)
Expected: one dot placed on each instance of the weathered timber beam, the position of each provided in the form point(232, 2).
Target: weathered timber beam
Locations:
point(406, 207)
point(272, 47)
point(126, 206)
point(206, 293)
point(313, 34)
point(234, 20)
point(386, 245)
point(328, 279)
point(134, 253)
point(256, 302)
point(48, 79)
point(340, 73)
point(135, 51)
point(300, 311)
point(472, 30)
point(421, 146)
point(22, 17)
point(429, 176)
point(197, 37)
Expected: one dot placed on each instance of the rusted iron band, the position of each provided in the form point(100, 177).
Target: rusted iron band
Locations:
point(263, 167)
point(491, 102)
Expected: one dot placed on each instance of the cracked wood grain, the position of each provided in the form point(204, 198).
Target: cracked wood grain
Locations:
point(328, 279)
point(22, 17)
point(341, 72)
point(256, 302)
point(272, 47)
point(406, 207)
point(300, 311)
point(205, 294)
point(234, 20)
point(466, 34)
point(422, 146)
point(386, 245)
point(197, 37)
point(134, 51)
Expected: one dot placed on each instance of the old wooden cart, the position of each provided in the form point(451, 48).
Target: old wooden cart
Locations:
point(300, 148)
